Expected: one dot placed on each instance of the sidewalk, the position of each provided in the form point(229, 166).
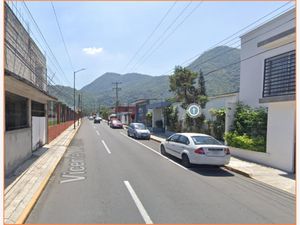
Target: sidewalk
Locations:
point(267, 175)
point(21, 195)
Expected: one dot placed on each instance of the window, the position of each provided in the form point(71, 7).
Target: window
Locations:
point(205, 140)
point(183, 140)
point(140, 126)
point(279, 75)
point(16, 112)
point(173, 138)
point(37, 109)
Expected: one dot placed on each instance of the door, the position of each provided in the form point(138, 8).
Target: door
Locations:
point(38, 125)
point(171, 144)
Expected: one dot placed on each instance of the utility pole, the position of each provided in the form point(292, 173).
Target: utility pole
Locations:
point(79, 112)
point(117, 93)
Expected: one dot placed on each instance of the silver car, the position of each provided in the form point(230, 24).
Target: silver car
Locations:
point(196, 148)
point(138, 130)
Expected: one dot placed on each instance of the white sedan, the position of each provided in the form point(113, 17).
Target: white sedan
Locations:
point(196, 148)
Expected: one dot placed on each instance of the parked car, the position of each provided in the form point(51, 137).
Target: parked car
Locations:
point(91, 118)
point(97, 119)
point(116, 124)
point(196, 148)
point(138, 130)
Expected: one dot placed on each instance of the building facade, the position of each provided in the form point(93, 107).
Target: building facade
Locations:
point(25, 93)
point(268, 79)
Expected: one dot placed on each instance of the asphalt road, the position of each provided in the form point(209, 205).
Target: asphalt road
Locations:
point(107, 177)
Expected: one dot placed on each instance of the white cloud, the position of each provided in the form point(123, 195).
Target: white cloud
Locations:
point(92, 51)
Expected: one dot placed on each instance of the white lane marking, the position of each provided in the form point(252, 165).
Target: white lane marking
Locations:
point(94, 127)
point(138, 203)
point(156, 152)
point(97, 132)
point(105, 146)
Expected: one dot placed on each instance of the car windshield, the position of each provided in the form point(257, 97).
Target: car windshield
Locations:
point(205, 140)
point(140, 126)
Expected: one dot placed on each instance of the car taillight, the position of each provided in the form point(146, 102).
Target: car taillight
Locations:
point(200, 151)
point(226, 150)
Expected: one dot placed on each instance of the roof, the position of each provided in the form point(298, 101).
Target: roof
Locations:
point(27, 82)
point(268, 23)
point(158, 105)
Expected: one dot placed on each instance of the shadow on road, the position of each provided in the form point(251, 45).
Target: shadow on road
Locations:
point(205, 170)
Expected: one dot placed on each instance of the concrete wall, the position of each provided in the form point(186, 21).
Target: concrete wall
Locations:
point(281, 134)
point(32, 67)
point(17, 148)
point(218, 102)
point(280, 139)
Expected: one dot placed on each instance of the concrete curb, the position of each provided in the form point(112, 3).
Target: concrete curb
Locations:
point(42, 186)
point(154, 139)
point(238, 171)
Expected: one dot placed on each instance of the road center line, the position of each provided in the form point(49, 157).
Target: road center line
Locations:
point(97, 132)
point(156, 152)
point(138, 203)
point(105, 146)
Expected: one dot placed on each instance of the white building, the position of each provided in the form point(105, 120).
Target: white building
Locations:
point(25, 94)
point(268, 79)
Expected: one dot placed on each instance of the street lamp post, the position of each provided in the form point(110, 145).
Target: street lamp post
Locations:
point(74, 96)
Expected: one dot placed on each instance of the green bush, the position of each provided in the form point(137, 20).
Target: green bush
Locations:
point(250, 121)
point(218, 124)
point(249, 128)
point(246, 142)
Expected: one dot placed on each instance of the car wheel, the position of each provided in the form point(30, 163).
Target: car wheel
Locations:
point(185, 161)
point(134, 135)
point(163, 150)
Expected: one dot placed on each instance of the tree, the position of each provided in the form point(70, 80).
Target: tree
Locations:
point(104, 112)
point(183, 84)
point(202, 97)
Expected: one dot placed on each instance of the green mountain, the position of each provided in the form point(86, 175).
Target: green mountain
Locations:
point(133, 86)
point(226, 76)
point(220, 73)
point(65, 94)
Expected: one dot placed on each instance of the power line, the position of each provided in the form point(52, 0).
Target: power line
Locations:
point(117, 94)
point(239, 31)
point(242, 60)
point(235, 47)
point(151, 34)
point(26, 64)
point(20, 56)
point(62, 37)
point(21, 19)
point(169, 35)
point(40, 32)
point(164, 32)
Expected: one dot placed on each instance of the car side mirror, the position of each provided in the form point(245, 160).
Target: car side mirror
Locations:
point(168, 139)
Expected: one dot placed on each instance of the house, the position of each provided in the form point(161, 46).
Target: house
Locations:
point(125, 113)
point(157, 110)
point(26, 95)
point(268, 79)
point(141, 109)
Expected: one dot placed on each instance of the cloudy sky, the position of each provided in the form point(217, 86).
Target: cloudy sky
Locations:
point(106, 36)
